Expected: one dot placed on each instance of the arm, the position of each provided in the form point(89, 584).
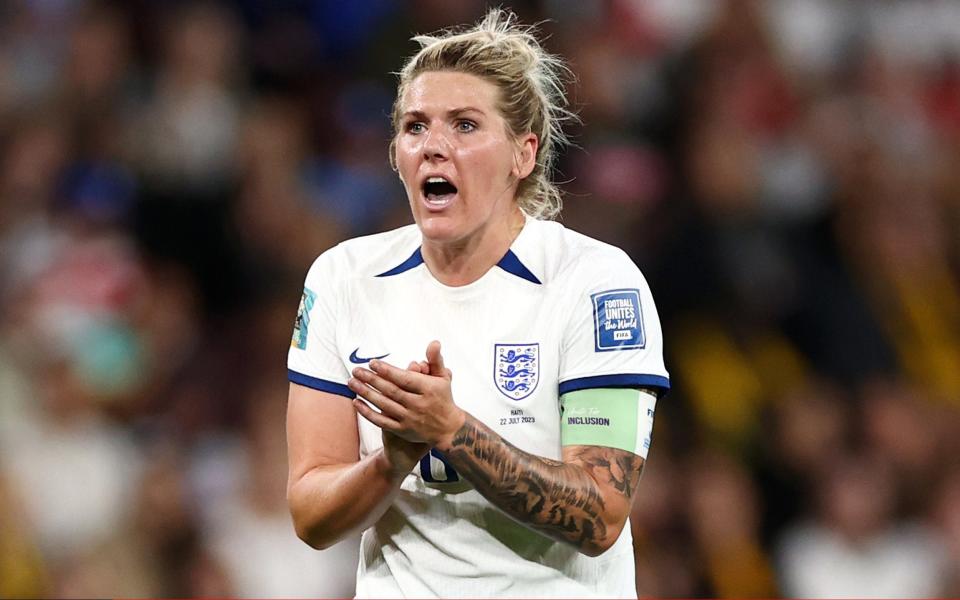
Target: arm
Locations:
point(583, 500)
point(331, 493)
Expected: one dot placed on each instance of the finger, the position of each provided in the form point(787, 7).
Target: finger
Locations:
point(400, 380)
point(424, 367)
point(373, 396)
point(384, 385)
point(380, 420)
point(415, 367)
point(435, 358)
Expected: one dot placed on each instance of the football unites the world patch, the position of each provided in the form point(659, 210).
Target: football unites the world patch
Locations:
point(516, 369)
point(301, 325)
point(617, 320)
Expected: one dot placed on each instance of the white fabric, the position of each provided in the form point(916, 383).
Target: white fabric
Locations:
point(445, 539)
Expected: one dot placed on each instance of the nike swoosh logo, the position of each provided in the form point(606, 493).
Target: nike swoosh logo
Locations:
point(359, 360)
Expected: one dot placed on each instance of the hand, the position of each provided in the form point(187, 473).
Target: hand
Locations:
point(416, 406)
point(402, 455)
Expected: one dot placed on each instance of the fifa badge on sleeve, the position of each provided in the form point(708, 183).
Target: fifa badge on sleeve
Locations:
point(617, 320)
point(302, 323)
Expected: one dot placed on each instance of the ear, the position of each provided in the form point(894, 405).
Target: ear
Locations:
point(525, 157)
point(392, 155)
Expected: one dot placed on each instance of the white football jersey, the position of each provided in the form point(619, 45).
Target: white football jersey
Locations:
point(560, 312)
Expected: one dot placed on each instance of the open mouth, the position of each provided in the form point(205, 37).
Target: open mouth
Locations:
point(438, 191)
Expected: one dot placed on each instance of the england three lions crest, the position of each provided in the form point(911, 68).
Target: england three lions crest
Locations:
point(516, 369)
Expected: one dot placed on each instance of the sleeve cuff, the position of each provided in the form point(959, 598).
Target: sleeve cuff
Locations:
point(321, 385)
point(631, 380)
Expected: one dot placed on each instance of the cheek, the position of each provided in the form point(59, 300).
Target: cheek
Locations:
point(489, 162)
point(405, 160)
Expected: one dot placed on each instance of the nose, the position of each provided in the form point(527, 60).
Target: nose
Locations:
point(436, 146)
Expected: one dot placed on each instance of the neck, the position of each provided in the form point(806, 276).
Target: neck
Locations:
point(464, 261)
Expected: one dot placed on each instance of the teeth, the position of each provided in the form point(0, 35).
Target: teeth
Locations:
point(436, 180)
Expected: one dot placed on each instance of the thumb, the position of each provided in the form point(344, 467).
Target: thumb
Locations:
point(435, 359)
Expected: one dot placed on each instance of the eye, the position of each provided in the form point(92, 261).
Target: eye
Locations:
point(415, 127)
point(464, 126)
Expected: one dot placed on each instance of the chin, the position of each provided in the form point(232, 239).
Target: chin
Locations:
point(439, 228)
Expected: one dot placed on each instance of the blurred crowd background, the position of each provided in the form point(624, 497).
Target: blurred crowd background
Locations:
point(786, 174)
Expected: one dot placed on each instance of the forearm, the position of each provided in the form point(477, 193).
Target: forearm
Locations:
point(331, 503)
point(559, 500)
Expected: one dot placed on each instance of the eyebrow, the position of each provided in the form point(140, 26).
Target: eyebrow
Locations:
point(454, 112)
point(465, 109)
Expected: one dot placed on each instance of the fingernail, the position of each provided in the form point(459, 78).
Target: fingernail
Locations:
point(374, 364)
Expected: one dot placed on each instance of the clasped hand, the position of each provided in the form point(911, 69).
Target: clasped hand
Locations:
point(415, 404)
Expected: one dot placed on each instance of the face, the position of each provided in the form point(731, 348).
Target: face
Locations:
point(458, 163)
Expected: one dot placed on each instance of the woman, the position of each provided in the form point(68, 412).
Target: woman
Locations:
point(474, 484)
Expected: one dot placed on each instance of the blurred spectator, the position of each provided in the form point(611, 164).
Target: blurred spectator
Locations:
point(899, 424)
point(664, 565)
point(808, 427)
point(276, 216)
point(189, 126)
point(253, 526)
point(725, 519)
point(854, 548)
point(74, 472)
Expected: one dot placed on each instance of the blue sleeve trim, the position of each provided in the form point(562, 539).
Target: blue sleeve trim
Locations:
point(321, 385)
point(615, 381)
point(415, 260)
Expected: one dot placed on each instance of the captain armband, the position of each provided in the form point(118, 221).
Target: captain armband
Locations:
point(612, 417)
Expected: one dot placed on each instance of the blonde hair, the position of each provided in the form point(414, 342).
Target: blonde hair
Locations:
point(529, 79)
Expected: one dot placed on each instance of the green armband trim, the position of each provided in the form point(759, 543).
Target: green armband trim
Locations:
point(601, 417)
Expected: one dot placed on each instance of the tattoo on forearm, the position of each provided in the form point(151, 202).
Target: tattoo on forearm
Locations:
point(618, 468)
point(560, 500)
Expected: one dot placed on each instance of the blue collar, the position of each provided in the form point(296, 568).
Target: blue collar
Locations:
point(415, 259)
point(509, 263)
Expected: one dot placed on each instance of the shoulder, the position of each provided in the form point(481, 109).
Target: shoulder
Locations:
point(570, 256)
point(366, 256)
